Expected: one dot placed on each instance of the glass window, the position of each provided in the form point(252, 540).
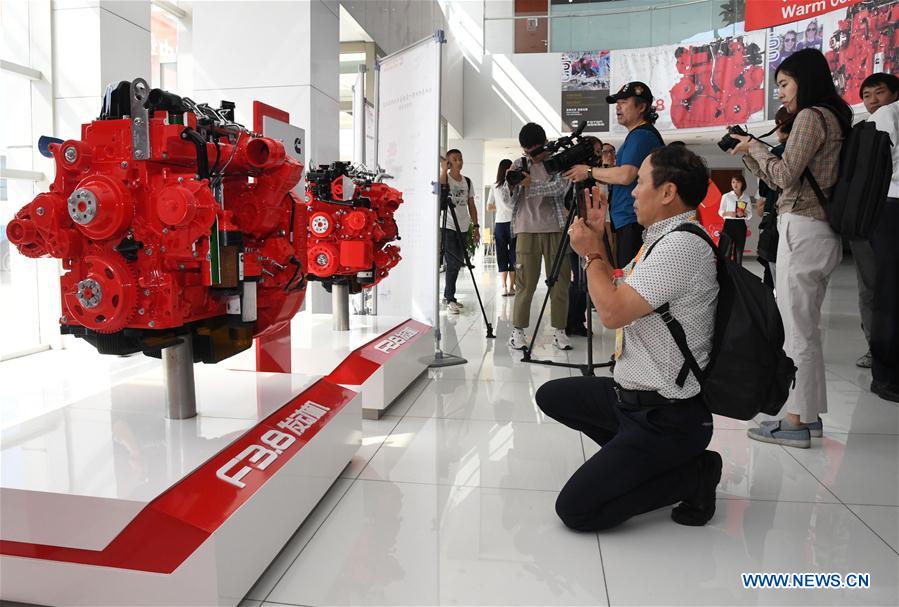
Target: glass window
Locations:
point(163, 49)
point(20, 320)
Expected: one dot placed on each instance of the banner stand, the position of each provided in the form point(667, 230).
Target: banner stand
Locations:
point(408, 150)
point(441, 358)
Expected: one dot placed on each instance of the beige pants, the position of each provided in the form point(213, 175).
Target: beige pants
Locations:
point(529, 250)
point(807, 254)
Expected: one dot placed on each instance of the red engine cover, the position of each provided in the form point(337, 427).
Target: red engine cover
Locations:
point(349, 238)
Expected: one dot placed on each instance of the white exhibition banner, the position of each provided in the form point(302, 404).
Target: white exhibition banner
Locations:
point(699, 84)
point(409, 149)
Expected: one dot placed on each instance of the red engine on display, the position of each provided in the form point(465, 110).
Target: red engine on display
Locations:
point(170, 219)
point(867, 41)
point(721, 84)
point(350, 223)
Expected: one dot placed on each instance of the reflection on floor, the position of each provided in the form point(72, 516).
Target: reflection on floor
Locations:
point(450, 500)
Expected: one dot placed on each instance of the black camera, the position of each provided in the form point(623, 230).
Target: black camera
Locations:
point(727, 142)
point(570, 151)
point(566, 152)
point(516, 176)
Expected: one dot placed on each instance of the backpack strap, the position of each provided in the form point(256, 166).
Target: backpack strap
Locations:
point(807, 173)
point(680, 338)
point(674, 327)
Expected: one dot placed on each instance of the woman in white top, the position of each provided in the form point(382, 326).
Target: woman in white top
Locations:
point(736, 209)
point(500, 200)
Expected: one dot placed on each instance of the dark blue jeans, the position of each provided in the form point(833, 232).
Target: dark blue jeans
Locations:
point(454, 256)
point(505, 246)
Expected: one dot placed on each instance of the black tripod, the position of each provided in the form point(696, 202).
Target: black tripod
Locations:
point(466, 261)
point(582, 188)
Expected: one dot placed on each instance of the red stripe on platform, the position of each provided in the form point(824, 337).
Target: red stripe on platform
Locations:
point(365, 360)
point(171, 527)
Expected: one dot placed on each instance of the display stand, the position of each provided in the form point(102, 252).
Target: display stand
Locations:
point(105, 501)
point(379, 357)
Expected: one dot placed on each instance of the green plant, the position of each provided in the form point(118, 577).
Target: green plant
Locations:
point(733, 11)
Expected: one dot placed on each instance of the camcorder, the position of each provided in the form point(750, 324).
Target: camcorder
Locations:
point(727, 142)
point(565, 152)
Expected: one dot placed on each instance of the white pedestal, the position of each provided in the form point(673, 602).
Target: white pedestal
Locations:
point(378, 357)
point(106, 502)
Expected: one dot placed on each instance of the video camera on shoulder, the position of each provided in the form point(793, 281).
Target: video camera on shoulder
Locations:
point(727, 142)
point(566, 152)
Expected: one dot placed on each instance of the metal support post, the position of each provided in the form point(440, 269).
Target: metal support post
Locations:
point(340, 306)
point(178, 375)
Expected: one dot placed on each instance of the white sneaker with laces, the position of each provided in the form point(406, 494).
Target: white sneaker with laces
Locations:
point(518, 340)
point(454, 307)
point(560, 340)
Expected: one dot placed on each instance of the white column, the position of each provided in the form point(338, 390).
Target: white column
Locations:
point(95, 43)
point(285, 54)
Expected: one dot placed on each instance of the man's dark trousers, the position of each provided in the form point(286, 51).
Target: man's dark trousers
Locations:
point(454, 256)
point(649, 456)
point(577, 296)
point(885, 307)
point(628, 240)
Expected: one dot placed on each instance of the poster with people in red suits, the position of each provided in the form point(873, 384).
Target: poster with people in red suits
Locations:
point(857, 41)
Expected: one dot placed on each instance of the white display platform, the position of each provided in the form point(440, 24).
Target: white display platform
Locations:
point(378, 357)
point(104, 501)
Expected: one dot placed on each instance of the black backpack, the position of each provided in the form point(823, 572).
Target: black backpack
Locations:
point(749, 372)
point(863, 181)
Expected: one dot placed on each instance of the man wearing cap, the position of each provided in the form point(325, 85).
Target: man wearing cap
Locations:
point(635, 111)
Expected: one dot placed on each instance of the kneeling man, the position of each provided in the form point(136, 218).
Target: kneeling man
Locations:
point(652, 433)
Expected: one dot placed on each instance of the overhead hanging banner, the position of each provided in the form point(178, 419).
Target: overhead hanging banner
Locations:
point(409, 150)
point(585, 86)
point(761, 14)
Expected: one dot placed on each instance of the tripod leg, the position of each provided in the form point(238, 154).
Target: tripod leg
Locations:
point(474, 282)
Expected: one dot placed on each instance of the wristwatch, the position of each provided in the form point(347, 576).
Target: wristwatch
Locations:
point(590, 258)
point(476, 225)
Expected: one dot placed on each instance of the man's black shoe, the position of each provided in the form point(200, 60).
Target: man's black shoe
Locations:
point(885, 391)
point(700, 509)
point(579, 331)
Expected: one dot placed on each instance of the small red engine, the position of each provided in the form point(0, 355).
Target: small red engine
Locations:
point(170, 219)
point(350, 218)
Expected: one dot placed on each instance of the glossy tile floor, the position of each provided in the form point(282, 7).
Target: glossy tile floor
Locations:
point(450, 501)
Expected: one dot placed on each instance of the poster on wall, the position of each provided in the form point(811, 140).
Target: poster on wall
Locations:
point(410, 95)
point(857, 41)
point(785, 40)
point(716, 83)
point(585, 86)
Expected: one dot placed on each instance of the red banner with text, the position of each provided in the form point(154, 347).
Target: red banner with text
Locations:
point(769, 13)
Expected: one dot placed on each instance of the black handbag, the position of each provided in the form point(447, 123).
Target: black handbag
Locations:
point(768, 237)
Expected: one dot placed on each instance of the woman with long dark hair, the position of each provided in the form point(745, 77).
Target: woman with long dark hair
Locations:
point(808, 250)
point(500, 200)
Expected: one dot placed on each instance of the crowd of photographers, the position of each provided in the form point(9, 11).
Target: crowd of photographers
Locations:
point(651, 418)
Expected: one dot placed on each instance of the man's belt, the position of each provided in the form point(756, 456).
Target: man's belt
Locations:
point(644, 398)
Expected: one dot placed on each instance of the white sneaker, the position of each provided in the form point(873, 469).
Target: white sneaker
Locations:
point(560, 340)
point(454, 307)
point(518, 340)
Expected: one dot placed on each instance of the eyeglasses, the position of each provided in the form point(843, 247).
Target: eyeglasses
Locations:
point(812, 28)
point(790, 39)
